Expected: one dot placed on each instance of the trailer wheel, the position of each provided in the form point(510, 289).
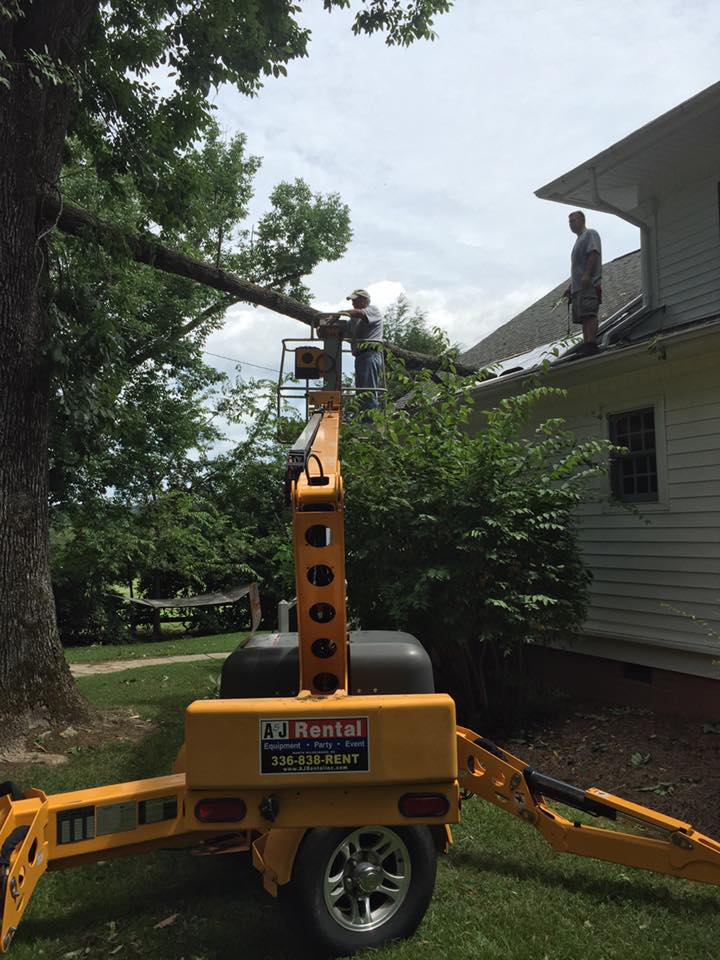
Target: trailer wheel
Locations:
point(360, 888)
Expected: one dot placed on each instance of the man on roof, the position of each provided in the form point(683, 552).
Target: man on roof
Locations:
point(364, 329)
point(584, 290)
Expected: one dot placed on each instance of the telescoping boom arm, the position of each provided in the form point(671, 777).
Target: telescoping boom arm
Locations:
point(315, 490)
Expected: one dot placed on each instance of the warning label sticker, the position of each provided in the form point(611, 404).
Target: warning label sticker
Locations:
point(323, 745)
point(116, 818)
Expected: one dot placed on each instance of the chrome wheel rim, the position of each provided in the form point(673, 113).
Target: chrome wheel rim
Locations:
point(367, 878)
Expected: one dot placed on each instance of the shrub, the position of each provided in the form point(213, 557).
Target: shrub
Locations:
point(468, 540)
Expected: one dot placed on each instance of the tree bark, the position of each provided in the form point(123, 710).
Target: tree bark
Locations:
point(424, 361)
point(34, 677)
point(146, 249)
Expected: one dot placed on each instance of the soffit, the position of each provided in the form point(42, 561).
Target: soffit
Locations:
point(678, 148)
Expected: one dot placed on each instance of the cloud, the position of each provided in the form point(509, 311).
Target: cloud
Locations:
point(469, 313)
point(253, 337)
point(438, 148)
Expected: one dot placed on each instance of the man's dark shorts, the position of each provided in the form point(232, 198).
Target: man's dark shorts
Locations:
point(586, 304)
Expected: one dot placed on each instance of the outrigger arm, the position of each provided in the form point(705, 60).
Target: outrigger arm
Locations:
point(486, 771)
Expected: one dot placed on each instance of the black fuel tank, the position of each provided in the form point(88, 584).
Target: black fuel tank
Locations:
point(380, 661)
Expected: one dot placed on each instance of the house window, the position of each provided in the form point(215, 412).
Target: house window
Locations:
point(633, 475)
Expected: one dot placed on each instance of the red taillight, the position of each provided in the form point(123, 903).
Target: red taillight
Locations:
point(424, 805)
point(220, 810)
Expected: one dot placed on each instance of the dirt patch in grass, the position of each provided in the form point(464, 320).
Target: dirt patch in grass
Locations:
point(55, 745)
point(665, 763)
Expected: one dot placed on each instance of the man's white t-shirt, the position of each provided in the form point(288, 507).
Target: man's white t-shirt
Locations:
point(366, 329)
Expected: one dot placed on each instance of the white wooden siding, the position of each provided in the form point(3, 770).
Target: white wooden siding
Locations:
point(688, 252)
point(658, 566)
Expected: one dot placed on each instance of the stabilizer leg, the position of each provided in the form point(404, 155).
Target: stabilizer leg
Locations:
point(23, 857)
point(507, 782)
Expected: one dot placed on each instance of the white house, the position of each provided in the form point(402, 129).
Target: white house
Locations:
point(652, 539)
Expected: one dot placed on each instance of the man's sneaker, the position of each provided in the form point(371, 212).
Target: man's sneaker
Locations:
point(586, 349)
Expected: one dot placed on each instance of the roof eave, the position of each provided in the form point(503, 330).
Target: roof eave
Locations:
point(579, 186)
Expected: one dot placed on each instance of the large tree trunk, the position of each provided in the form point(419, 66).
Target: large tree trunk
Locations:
point(34, 678)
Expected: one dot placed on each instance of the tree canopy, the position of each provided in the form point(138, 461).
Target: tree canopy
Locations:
point(127, 341)
point(143, 75)
point(129, 82)
point(409, 328)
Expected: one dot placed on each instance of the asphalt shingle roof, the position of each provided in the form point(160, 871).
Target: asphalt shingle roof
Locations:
point(543, 322)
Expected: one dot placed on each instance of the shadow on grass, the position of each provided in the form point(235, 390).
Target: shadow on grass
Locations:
point(222, 910)
point(599, 888)
point(218, 903)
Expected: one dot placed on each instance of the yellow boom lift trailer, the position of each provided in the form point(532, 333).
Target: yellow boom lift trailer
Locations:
point(329, 756)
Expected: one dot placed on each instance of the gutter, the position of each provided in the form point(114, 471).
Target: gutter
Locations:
point(602, 359)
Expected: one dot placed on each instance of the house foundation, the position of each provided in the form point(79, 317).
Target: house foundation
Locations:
point(590, 678)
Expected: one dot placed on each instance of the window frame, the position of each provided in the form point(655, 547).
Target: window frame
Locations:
point(613, 503)
point(618, 477)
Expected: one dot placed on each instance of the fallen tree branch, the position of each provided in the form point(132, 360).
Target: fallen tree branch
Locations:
point(425, 361)
point(144, 248)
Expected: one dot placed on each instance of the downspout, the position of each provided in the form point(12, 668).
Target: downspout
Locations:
point(648, 246)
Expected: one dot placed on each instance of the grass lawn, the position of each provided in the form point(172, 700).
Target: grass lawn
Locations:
point(163, 648)
point(500, 893)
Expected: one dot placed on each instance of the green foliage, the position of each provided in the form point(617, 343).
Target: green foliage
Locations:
point(247, 485)
point(176, 543)
point(45, 69)
point(11, 10)
point(403, 23)
point(467, 539)
point(408, 328)
point(82, 580)
point(301, 230)
point(129, 124)
point(134, 497)
point(207, 192)
point(172, 519)
point(127, 340)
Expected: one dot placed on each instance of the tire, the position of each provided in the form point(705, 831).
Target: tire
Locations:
point(356, 888)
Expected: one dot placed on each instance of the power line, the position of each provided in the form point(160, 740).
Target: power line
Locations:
point(245, 363)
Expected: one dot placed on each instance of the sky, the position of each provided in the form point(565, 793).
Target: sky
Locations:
point(438, 148)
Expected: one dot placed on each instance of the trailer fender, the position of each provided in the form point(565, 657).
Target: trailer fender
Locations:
point(274, 855)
